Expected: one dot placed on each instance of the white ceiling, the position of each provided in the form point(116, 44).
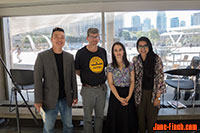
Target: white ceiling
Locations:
point(45, 7)
point(13, 3)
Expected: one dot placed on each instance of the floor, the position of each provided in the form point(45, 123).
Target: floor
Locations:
point(167, 114)
point(28, 126)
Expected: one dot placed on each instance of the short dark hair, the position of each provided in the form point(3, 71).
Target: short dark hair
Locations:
point(57, 29)
point(93, 31)
point(195, 62)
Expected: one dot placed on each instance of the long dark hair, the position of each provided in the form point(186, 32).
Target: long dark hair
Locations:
point(150, 62)
point(143, 38)
point(114, 61)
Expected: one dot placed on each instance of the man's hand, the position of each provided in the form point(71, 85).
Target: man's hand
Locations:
point(37, 106)
point(75, 101)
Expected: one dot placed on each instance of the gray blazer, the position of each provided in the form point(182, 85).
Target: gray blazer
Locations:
point(46, 79)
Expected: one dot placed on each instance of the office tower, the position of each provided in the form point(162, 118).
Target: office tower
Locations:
point(146, 24)
point(174, 22)
point(136, 24)
point(161, 22)
point(118, 23)
point(195, 19)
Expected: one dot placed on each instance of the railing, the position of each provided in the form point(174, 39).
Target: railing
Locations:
point(179, 59)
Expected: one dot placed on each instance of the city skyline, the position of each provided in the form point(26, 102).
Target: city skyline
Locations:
point(182, 16)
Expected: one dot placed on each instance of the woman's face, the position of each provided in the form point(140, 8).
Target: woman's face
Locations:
point(143, 48)
point(118, 51)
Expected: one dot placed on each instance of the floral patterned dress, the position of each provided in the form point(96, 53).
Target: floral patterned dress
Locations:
point(121, 119)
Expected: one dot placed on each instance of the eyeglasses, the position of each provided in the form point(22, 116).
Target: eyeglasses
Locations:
point(94, 37)
point(144, 46)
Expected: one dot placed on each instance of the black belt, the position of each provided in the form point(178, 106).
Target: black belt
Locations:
point(93, 86)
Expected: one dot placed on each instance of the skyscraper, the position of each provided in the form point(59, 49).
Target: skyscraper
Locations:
point(174, 22)
point(147, 24)
point(136, 21)
point(136, 24)
point(195, 19)
point(119, 23)
point(161, 22)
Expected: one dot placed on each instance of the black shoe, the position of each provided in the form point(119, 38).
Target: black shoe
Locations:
point(175, 95)
point(196, 96)
point(187, 95)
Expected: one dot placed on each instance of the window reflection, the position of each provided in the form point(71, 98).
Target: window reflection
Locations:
point(174, 34)
point(32, 34)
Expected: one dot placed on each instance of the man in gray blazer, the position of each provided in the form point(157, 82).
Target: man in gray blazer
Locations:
point(55, 83)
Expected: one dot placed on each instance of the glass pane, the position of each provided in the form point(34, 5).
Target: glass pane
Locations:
point(32, 34)
point(174, 34)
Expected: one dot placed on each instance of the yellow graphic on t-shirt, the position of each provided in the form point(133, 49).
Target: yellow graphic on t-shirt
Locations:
point(96, 64)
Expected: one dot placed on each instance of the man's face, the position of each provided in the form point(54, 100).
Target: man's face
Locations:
point(58, 39)
point(93, 39)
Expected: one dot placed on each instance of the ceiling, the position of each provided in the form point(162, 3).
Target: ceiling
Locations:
point(46, 7)
point(18, 3)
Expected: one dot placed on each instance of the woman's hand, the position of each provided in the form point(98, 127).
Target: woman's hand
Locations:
point(123, 101)
point(156, 101)
point(127, 98)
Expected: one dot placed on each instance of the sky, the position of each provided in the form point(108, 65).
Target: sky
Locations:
point(183, 15)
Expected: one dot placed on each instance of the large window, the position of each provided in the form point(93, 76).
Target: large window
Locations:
point(175, 35)
point(32, 34)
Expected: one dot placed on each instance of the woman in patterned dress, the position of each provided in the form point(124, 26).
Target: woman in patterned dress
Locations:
point(149, 84)
point(121, 116)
